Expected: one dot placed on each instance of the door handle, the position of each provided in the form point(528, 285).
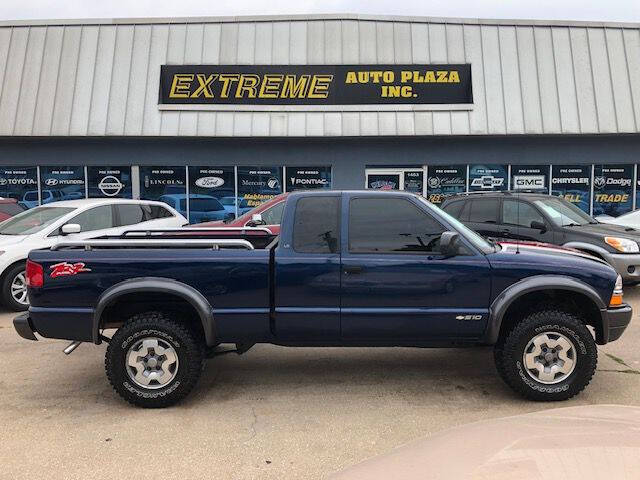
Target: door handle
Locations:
point(352, 269)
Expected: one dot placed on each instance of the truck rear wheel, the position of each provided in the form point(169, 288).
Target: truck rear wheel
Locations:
point(548, 356)
point(14, 289)
point(153, 361)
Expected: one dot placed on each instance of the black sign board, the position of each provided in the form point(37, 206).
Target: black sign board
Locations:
point(612, 189)
point(573, 183)
point(258, 184)
point(212, 194)
point(445, 181)
point(487, 177)
point(62, 183)
point(315, 84)
point(21, 184)
point(114, 182)
point(413, 182)
point(166, 184)
point(530, 178)
point(306, 178)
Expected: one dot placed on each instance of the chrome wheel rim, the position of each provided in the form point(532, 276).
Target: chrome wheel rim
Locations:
point(550, 358)
point(19, 289)
point(151, 363)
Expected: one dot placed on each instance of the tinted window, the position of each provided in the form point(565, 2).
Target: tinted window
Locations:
point(11, 208)
point(519, 213)
point(33, 196)
point(156, 211)
point(130, 214)
point(453, 208)
point(94, 219)
point(316, 228)
point(484, 210)
point(273, 215)
point(391, 225)
point(464, 213)
point(199, 204)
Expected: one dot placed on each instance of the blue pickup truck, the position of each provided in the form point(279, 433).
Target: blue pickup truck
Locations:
point(351, 268)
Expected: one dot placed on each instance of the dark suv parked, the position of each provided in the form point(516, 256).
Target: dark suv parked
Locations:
point(534, 217)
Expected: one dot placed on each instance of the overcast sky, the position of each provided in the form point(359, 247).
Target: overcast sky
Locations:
point(599, 10)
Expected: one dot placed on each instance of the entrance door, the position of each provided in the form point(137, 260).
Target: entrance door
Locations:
point(409, 179)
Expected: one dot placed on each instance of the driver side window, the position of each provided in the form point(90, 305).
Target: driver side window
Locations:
point(273, 215)
point(519, 213)
point(97, 218)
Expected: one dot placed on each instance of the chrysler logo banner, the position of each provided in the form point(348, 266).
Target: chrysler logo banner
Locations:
point(319, 85)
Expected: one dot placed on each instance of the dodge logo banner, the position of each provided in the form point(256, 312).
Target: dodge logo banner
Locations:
point(314, 85)
point(612, 189)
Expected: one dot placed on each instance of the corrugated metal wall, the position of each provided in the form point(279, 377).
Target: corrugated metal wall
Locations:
point(97, 80)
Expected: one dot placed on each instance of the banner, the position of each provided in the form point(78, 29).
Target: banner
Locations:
point(487, 177)
point(114, 182)
point(413, 182)
point(259, 184)
point(530, 178)
point(163, 183)
point(315, 84)
point(307, 178)
point(612, 189)
point(21, 184)
point(62, 183)
point(573, 183)
point(212, 194)
point(445, 181)
point(383, 181)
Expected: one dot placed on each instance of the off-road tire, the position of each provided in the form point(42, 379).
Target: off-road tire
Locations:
point(7, 298)
point(509, 351)
point(188, 347)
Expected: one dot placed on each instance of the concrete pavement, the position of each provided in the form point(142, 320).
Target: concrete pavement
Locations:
point(273, 413)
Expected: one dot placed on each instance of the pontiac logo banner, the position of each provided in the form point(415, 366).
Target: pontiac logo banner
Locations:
point(314, 85)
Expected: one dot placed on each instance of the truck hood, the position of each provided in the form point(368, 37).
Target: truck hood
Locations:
point(6, 240)
point(545, 249)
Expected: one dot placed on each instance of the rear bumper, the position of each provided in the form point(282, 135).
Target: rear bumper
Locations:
point(614, 323)
point(22, 324)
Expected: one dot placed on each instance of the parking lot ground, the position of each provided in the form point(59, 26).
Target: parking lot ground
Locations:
point(275, 412)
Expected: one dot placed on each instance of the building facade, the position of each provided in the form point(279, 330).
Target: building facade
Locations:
point(186, 110)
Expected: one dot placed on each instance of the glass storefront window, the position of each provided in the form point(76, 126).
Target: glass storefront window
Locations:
point(573, 183)
point(306, 178)
point(113, 182)
point(211, 194)
point(530, 178)
point(21, 184)
point(165, 184)
point(413, 181)
point(487, 177)
point(445, 181)
point(612, 189)
point(258, 184)
point(62, 183)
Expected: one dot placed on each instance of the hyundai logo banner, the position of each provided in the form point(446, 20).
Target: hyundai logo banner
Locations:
point(314, 85)
point(61, 183)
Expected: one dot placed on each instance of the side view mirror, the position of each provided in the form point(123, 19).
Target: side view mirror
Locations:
point(69, 228)
point(539, 226)
point(449, 243)
point(256, 219)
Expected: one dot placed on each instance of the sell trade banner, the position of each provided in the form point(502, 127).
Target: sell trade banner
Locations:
point(612, 189)
point(445, 181)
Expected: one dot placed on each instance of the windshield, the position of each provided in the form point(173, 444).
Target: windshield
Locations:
point(477, 241)
point(32, 221)
point(563, 213)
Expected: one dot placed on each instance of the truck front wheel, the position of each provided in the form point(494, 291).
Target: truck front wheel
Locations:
point(153, 361)
point(548, 356)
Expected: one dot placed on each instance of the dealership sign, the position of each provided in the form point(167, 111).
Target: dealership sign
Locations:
point(573, 183)
point(487, 177)
point(280, 86)
point(445, 181)
point(530, 178)
point(612, 189)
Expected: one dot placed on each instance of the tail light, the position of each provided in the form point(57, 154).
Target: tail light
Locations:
point(35, 274)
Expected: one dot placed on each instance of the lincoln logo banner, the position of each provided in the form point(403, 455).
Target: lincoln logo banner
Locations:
point(283, 86)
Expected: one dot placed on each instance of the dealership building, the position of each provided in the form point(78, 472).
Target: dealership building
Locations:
point(193, 109)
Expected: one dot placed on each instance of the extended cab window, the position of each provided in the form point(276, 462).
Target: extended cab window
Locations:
point(273, 215)
point(483, 210)
point(519, 213)
point(316, 227)
point(391, 225)
point(96, 218)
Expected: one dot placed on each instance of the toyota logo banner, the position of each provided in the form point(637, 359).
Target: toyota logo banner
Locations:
point(21, 184)
point(111, 182)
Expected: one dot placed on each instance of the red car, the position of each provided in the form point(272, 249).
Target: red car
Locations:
point(270, 211)
point(9, 207)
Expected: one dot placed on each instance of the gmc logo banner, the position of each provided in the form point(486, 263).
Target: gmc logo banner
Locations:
point(281, 86)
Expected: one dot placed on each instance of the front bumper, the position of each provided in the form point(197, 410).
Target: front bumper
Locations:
point(614, 323)
point(626, 264)
point(23, 326)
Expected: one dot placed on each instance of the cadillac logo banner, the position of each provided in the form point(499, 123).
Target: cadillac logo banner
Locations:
point(209, 86)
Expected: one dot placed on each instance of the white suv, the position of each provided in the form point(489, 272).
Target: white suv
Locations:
point(41, 227)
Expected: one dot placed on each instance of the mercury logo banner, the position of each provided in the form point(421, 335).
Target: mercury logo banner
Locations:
point(319, 85)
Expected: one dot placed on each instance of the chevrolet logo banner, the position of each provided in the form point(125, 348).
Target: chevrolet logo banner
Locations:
point(314, 85)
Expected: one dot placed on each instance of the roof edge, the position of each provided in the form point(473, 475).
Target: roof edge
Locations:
point(315, 17)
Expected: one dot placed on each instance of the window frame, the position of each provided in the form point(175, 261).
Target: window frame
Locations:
point(498, 200)
point(530, 204)
point(445, 228)
point(117, 218)
point(338, 229)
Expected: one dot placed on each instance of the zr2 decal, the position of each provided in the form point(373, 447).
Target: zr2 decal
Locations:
point(65, 268)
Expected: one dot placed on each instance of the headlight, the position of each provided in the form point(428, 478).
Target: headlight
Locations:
point(623, 245)
point(616, 296)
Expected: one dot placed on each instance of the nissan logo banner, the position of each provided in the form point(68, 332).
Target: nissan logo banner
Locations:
point(114, 182)
point(316, 85)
